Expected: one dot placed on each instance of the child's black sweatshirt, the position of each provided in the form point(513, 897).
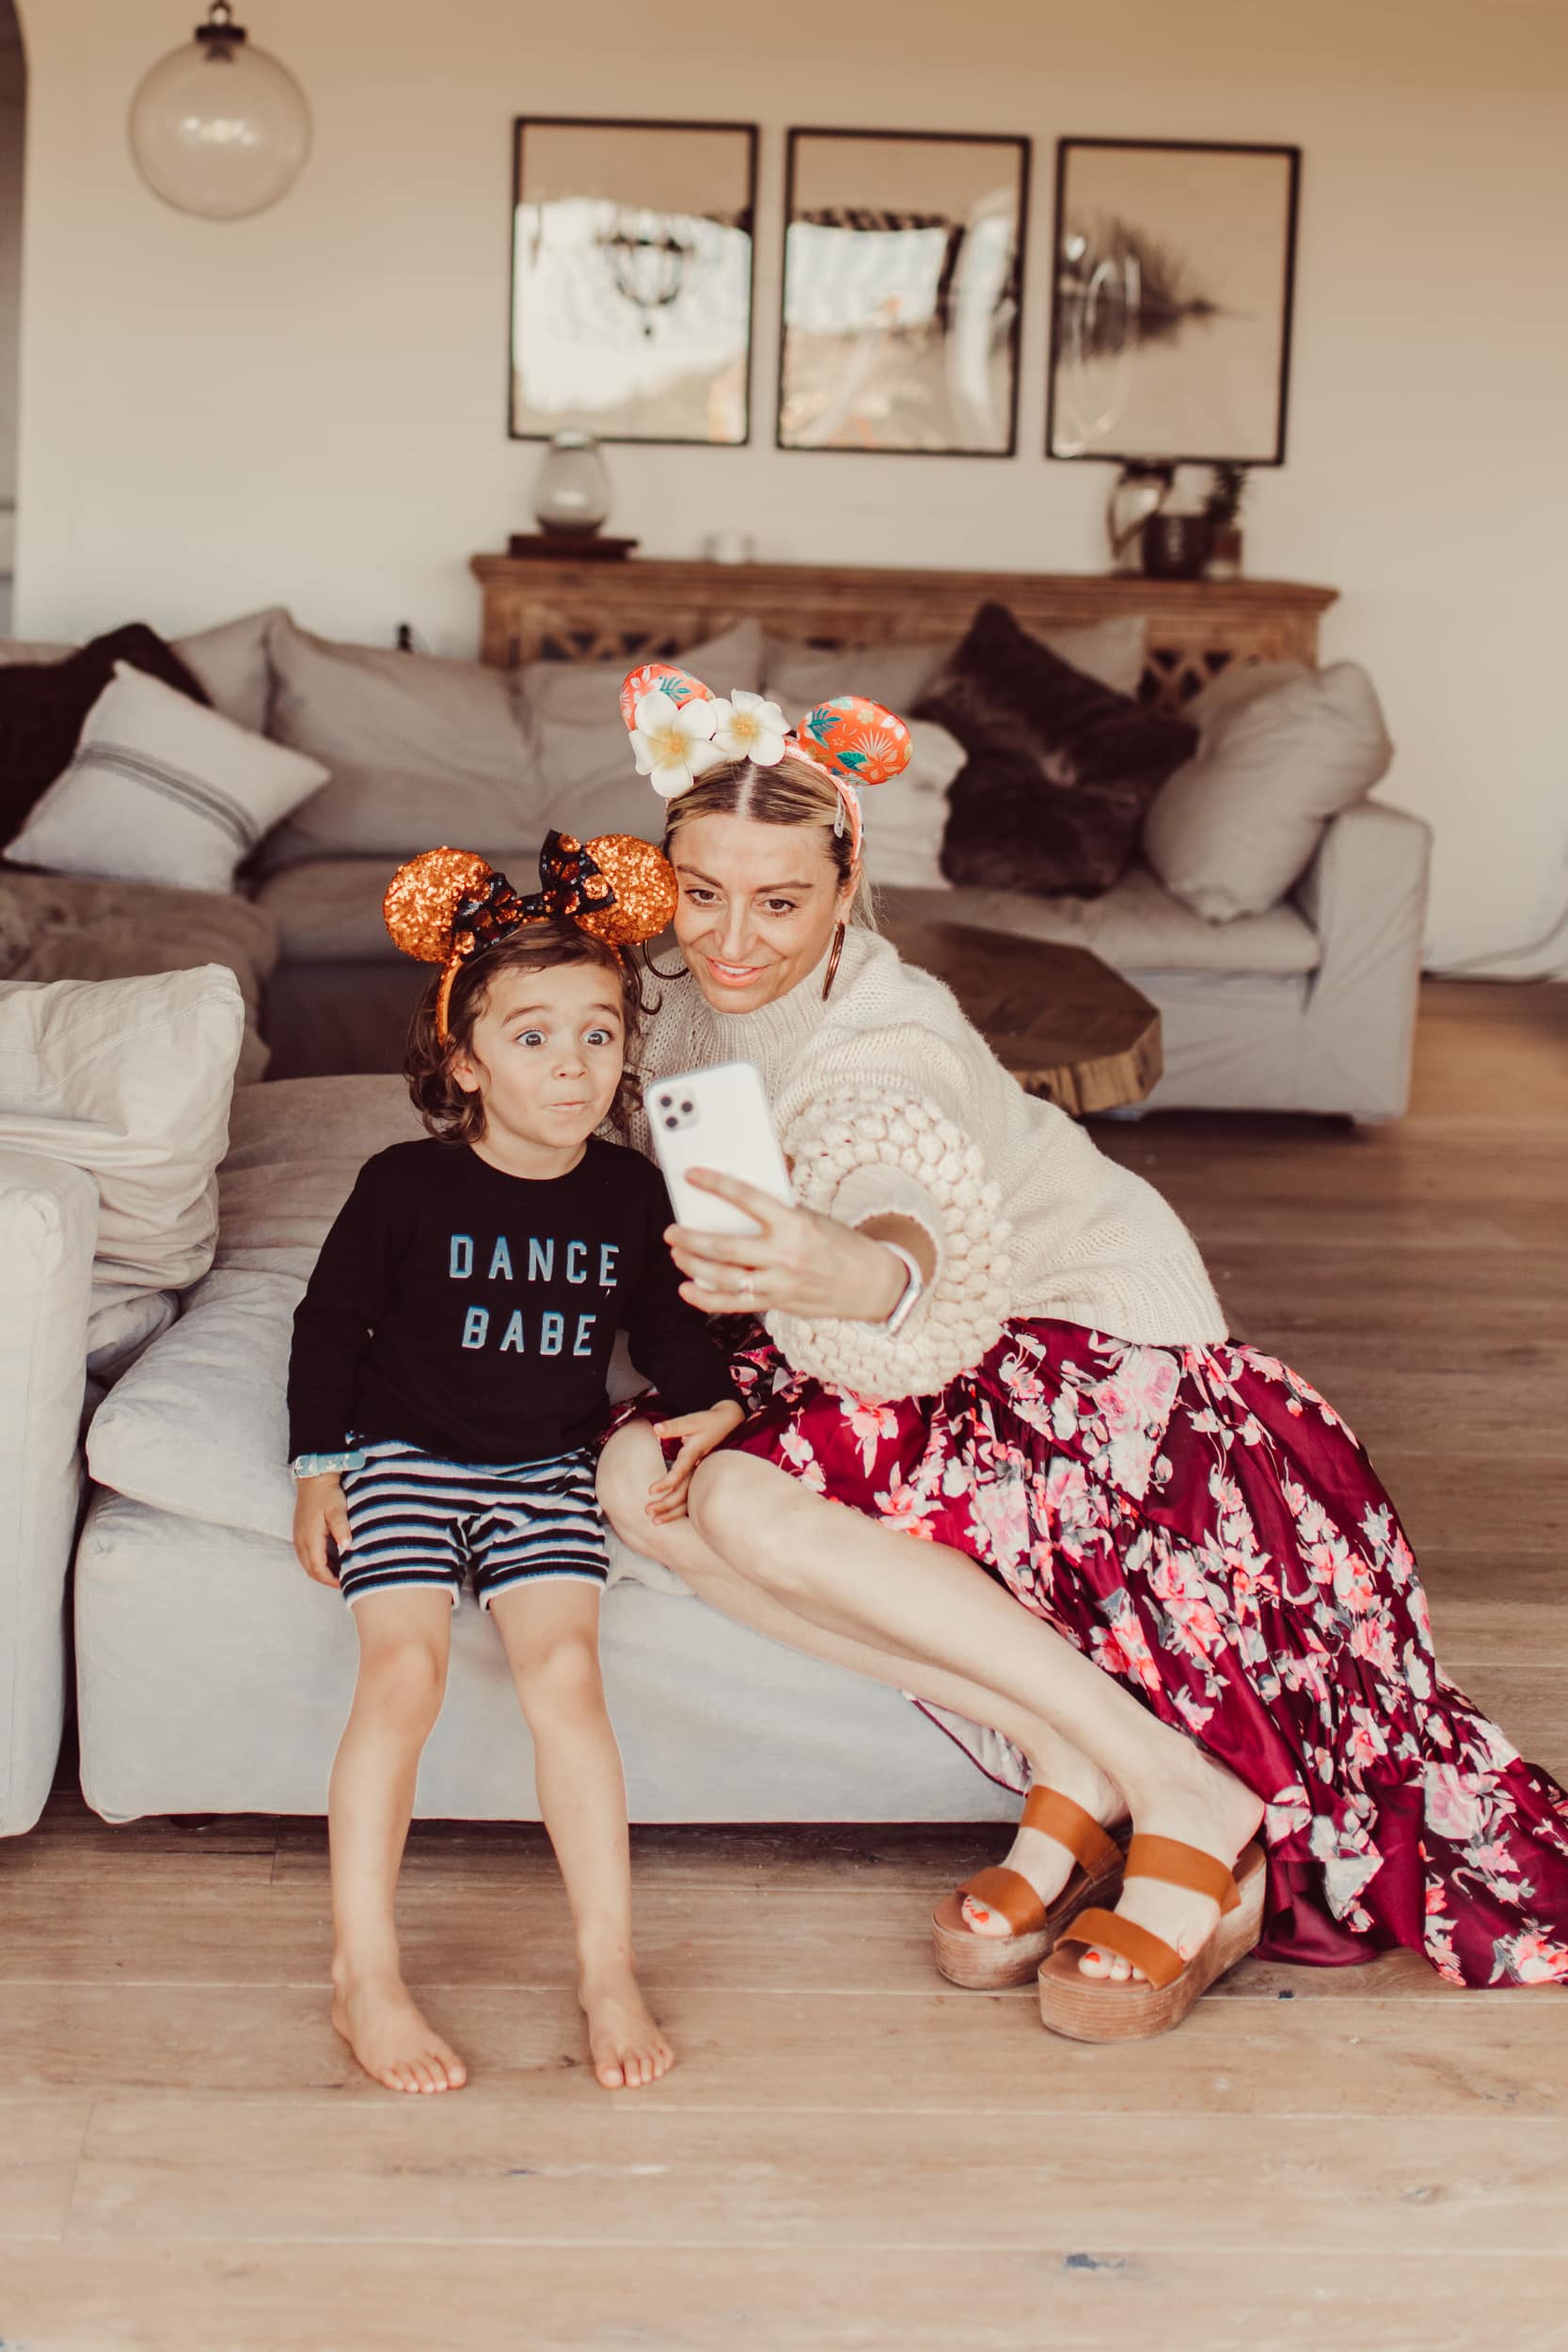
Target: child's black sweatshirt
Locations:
point(471, 1313)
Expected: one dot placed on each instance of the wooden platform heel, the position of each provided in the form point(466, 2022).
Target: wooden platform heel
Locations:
point(1093, 2008)
point(988, 1963)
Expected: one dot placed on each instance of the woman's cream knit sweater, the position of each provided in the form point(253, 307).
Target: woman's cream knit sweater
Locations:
point(889, 1103)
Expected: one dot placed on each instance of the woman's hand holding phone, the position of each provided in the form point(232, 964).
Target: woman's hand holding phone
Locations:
point(801, 1263)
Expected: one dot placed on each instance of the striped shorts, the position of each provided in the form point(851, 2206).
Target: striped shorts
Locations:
point(416, 1521)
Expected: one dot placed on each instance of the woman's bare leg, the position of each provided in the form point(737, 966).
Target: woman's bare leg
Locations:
point(925, 1602)
point(629, 1464)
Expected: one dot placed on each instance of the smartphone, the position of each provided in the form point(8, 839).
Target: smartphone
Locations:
point(719, 1119)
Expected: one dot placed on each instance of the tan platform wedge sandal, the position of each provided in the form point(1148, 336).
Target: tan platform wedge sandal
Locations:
point(1093, 2008)
point(987, 1964)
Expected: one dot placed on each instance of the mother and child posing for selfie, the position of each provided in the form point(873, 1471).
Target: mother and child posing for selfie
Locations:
point(971, 1425)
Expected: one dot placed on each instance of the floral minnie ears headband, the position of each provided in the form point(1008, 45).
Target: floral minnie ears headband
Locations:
point(449, 905)
point(680, 728)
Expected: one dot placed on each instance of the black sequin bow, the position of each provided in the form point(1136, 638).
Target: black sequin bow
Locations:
point(570, 886)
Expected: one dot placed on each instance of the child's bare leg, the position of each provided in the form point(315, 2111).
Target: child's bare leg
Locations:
point(404, 1636)
point(550, 1629)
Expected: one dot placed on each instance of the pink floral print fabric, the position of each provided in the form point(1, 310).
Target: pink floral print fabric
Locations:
point(1201, 1523)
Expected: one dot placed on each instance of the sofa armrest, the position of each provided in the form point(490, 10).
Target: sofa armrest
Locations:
point(48, 1227)
point(1365, 895)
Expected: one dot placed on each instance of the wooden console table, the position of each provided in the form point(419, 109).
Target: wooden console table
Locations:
point(655, 609)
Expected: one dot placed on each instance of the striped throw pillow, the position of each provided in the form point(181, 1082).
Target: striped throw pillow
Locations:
point(161, 790)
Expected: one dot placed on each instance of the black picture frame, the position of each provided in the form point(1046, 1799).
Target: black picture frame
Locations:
point(743, 217)
point(1074, 322)
point(1013, 290)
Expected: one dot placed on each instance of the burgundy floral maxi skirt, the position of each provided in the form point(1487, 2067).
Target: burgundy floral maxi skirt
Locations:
point(1201, 1524)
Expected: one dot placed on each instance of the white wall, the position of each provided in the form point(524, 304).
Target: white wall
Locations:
point(309, 407)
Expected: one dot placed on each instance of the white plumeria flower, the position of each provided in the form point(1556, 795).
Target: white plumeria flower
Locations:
point(748, 726)
point(673, 745)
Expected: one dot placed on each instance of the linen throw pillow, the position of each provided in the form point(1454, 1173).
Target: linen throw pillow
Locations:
point(162, 789)
point(130, 1081)
point(419, 750)
point(1282, 750)
point(44, 701)
point(1060, 769)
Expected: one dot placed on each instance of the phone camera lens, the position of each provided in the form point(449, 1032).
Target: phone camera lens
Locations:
point(671, 1122)
point(687, 1108)
point(664, 1101)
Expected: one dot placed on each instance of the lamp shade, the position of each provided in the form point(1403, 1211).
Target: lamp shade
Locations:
point(219, 128)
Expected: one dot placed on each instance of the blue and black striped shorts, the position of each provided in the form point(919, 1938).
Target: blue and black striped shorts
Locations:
point(414, 1520)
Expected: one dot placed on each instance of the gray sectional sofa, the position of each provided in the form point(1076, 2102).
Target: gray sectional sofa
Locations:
point(1303, 1004)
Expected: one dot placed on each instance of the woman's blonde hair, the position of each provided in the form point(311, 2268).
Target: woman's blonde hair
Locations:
point(796, 792)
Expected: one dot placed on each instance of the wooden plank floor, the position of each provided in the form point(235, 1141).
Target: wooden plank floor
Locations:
point(848, 2157)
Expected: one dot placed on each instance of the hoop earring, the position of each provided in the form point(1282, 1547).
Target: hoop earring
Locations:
point(833, 963)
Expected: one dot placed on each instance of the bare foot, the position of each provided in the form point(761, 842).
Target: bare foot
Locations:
point(1211, 1810)
point(378, 2018)
point(628, 2049)
point(1046, 1865)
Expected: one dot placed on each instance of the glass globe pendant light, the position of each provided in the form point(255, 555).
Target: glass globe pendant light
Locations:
point(219, 128)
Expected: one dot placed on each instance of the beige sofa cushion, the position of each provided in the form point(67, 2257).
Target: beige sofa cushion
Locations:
point(329, 912)
point(571, 714)
point(1136, 927)
point(128, 1080)
point(232, 665)
point(800, 676)
point(1283, 750)
point(420, 751)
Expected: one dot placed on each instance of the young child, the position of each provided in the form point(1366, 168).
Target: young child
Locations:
point(446, 1394)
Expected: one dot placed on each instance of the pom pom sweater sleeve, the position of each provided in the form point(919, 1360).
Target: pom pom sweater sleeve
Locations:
point(889, 1104)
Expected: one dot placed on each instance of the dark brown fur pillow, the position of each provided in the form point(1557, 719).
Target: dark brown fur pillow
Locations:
point(1060, 768)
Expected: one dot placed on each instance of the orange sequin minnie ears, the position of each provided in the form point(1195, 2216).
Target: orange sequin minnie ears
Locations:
point(448, 906)
point(680, 728)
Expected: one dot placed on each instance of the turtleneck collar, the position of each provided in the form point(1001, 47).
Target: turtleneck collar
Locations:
point(773, 1033)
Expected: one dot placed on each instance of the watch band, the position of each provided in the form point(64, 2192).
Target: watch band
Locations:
point(315, 1465)
point(909, 1296)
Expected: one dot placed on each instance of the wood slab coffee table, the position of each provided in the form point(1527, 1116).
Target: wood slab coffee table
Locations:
point(1064, 1023)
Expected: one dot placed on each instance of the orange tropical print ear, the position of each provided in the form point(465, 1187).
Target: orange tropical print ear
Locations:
point(858, 738)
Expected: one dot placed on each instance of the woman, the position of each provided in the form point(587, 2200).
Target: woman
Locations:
point(1199, 1611)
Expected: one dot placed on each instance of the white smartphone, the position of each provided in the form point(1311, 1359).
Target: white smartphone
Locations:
point(716, 1118)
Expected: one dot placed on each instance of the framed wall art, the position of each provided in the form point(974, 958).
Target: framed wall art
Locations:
point(631, 280)
point(902, 289)
point(1170, 324)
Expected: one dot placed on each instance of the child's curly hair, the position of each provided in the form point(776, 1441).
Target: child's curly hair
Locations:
point(452, 1114)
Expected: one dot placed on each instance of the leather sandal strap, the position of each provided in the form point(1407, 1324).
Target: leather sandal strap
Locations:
point(1179, 1864)
point(1009, 1893)
point(1108, 1931)
point(1055, 1816)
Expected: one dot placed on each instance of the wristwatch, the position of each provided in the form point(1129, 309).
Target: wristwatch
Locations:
point(909, 1296)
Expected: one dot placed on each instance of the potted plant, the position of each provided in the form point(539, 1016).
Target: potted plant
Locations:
point(1221, 508)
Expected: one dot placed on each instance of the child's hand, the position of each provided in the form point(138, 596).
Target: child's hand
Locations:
point(320, 1511)
point(699, 1433)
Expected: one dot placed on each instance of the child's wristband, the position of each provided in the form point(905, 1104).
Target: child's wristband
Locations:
point(318, 1465)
